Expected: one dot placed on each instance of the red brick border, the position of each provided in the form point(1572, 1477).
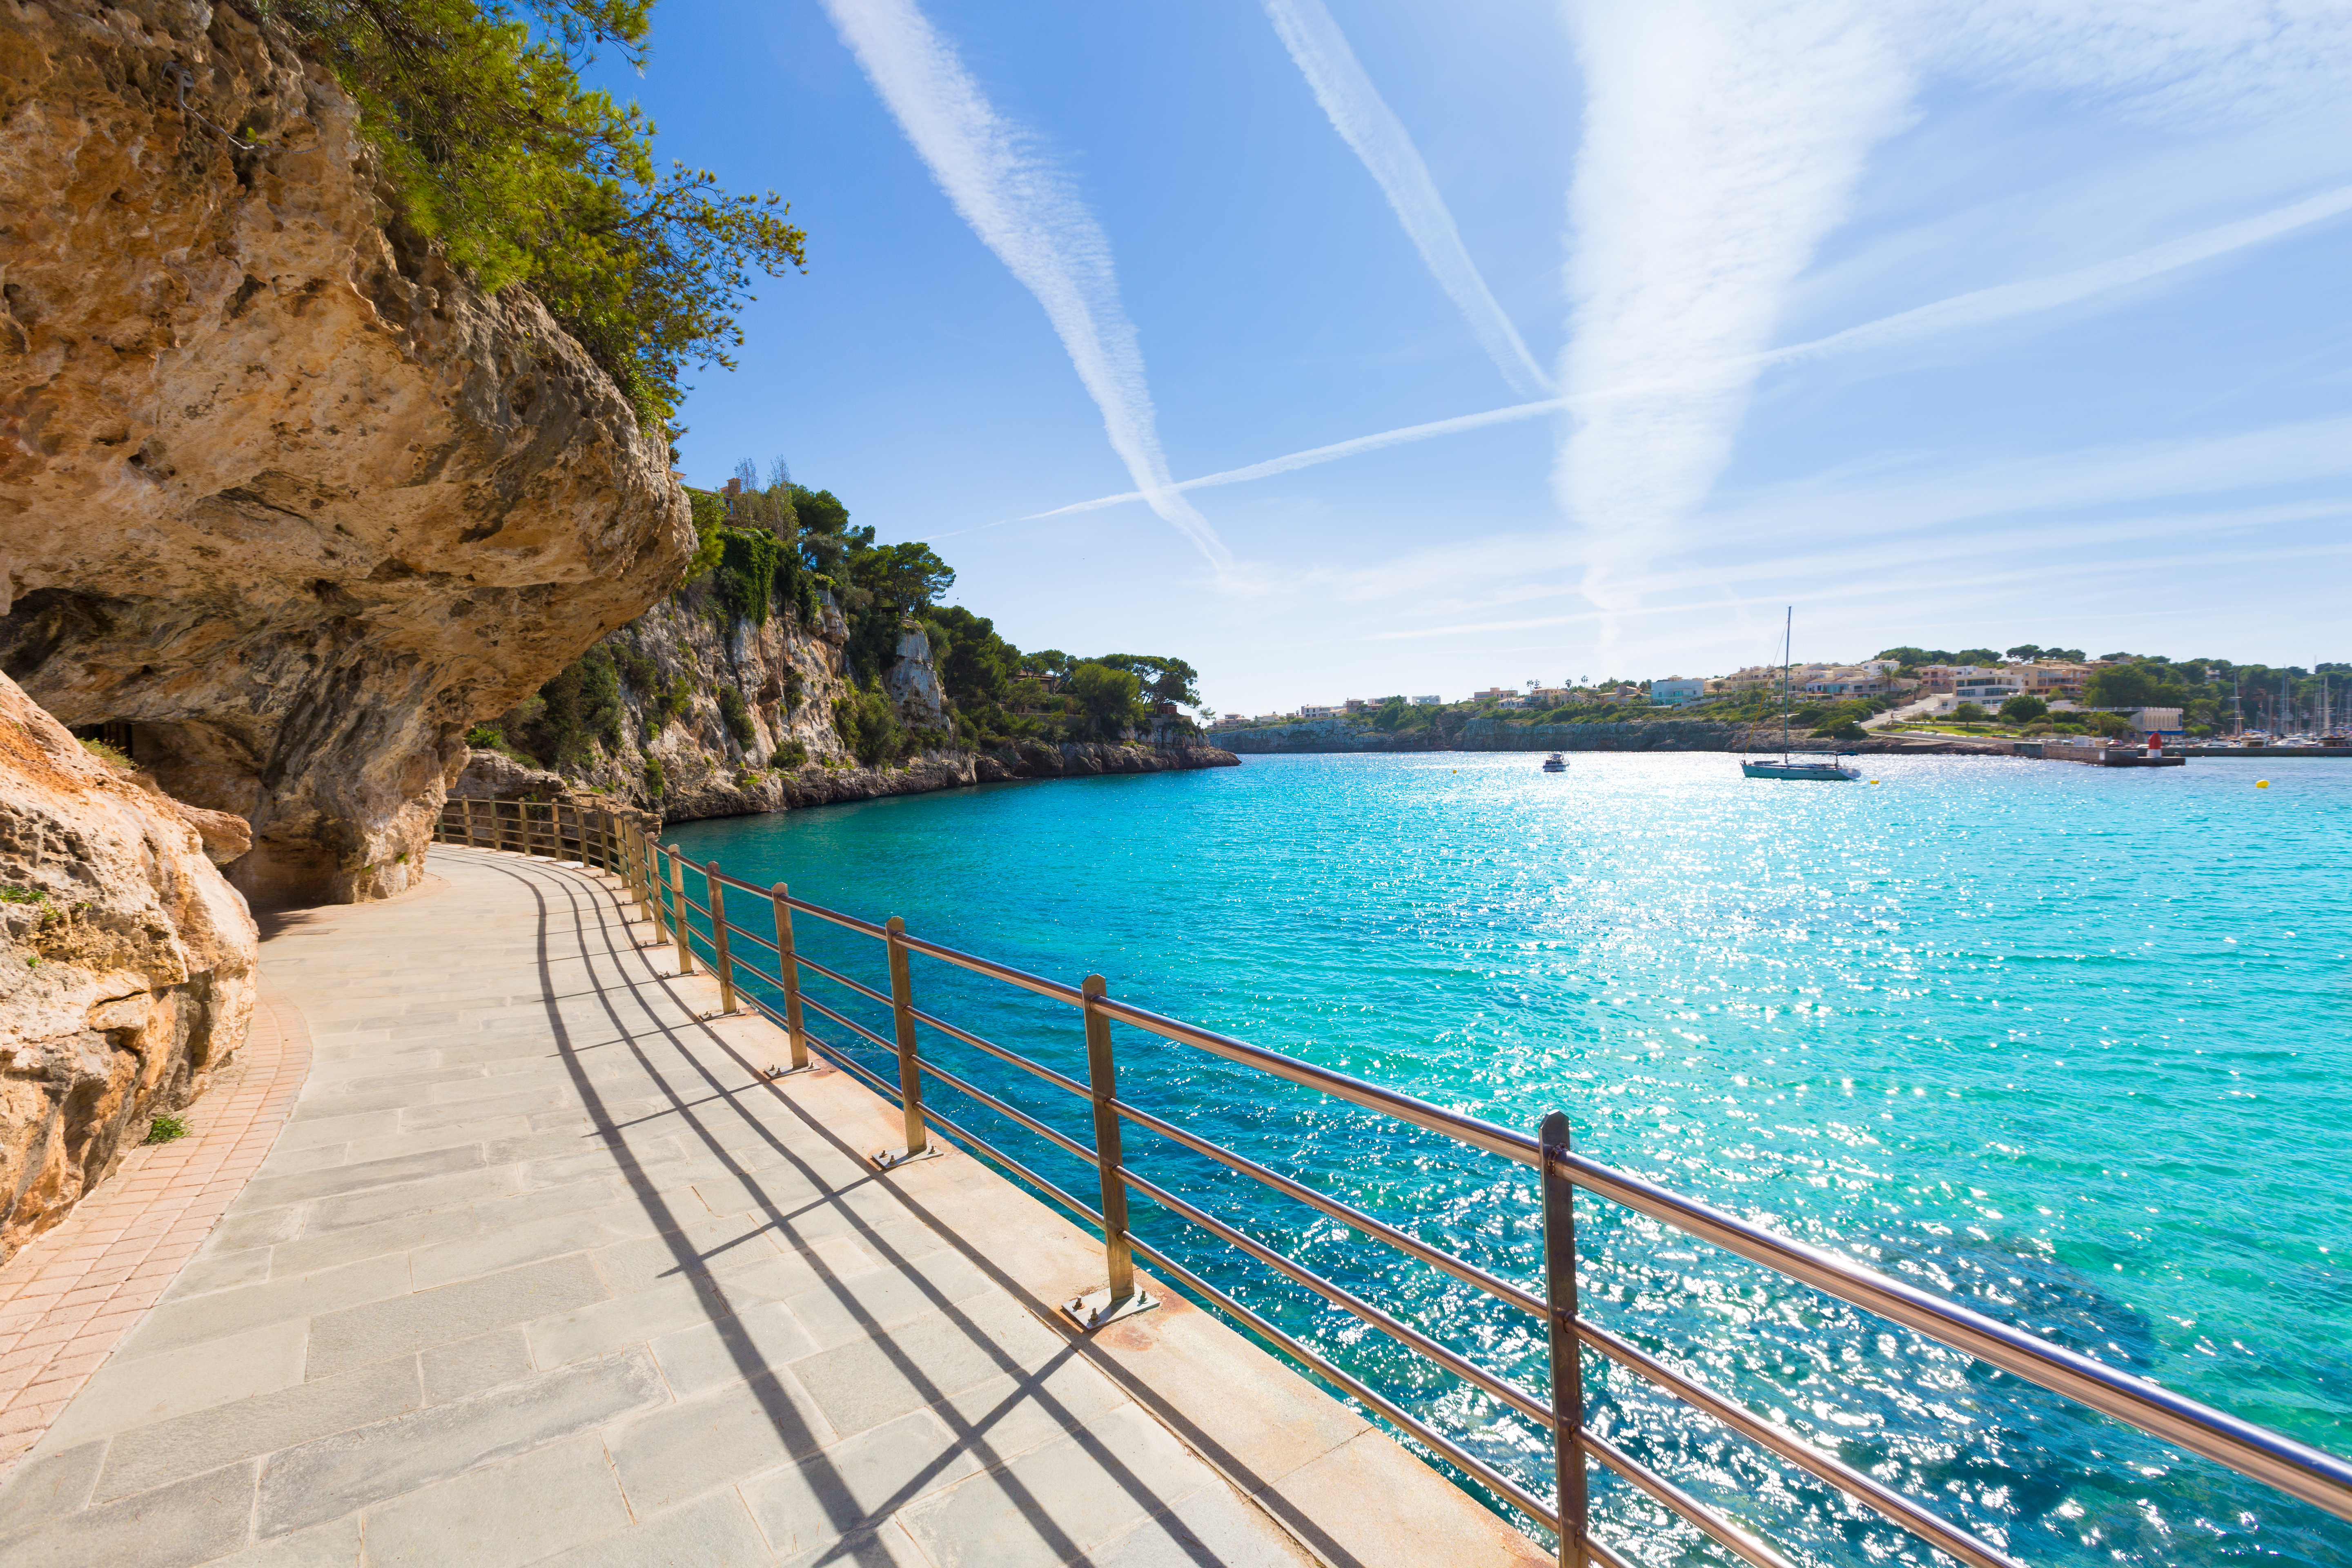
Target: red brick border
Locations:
point(67, 1299)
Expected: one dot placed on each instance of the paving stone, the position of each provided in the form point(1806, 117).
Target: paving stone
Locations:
point(336, 1130)
point(410, 1197)
point(1010, 1416)
point(401, 1234)
point(1211, 1526)
point(218, 1271)
point(628, 1320)
point(501, 1515)
point(672, 1453)
point(329, 1476)
point(424, 1118)
point(705, 1246)
point(150, 1455)
point(862, 1384)
point(889, 1547)
point(126, 1394)
point(402, 1324)
point(484, 1134)
point(268, 1192)
point(487, 1252)
point(852, 1307)
point(469, 1367)
point(286, 1162)
point(189, 1522)
point(522, 1208)
point(853, 1485)
point(759, 1338)
point(1053, 1503)
point(714, 1531)
point(44, 1487)
point(332, 1545)
point(175, 1324)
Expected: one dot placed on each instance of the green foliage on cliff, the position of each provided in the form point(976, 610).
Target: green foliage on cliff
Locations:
point(869, 726)
point(748, 560)
point(529, 178)
point(736, 713)
point(1107, 698)
point(560, 726)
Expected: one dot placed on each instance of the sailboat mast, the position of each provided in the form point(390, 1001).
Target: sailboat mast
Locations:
point(1787, 656)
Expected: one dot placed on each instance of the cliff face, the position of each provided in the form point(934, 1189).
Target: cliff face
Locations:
point(277, 488)
point(667, 734)
point(126, 971)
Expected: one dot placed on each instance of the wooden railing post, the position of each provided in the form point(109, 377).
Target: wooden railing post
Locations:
point(1119, 1298)
point(1567, 1359)
point(722, 962)
point(467, 805)
point(910, 1073)
point(680, 926)
point(788, 970)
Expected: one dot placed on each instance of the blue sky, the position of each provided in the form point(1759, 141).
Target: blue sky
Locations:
point(1951, 324)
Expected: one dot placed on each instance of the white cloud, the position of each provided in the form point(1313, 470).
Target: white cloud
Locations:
point(1721, 143)
point(1364, 119)
point(1979, 307)
point(1023, 210)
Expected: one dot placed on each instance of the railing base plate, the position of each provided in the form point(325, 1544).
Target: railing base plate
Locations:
point(891, 1159)
point(1092, 1311)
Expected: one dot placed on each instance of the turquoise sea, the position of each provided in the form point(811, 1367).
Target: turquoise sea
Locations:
point(2072, 1045)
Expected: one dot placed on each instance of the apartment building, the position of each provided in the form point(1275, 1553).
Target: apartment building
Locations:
point(1675, 691)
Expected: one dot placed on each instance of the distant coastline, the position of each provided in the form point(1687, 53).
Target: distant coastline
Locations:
point(1495, 734)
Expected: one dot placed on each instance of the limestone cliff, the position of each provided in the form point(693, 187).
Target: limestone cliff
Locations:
point(278, 487)
point(126, 963)
point(693, 712)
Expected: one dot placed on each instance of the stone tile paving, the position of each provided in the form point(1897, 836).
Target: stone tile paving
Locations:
point(541, 1271)
point(66, 1296)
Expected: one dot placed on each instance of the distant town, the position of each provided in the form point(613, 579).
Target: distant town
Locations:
point(2027, 687)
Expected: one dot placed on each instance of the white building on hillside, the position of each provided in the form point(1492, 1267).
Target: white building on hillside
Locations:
point(1429, 701)
point(1675, 691)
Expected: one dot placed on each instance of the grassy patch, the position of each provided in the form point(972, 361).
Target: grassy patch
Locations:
point(164, 1129)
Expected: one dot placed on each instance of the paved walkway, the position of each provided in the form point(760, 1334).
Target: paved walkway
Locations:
point(542, 1271)
point(66, 1296)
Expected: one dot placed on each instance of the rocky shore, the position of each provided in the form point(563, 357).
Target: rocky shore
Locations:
point(489, 775)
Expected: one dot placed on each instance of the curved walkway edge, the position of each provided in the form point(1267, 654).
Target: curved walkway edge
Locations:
point(542, 1268)
point(67, 1297)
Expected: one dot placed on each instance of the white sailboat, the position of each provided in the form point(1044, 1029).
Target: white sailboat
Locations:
point(1788, 767)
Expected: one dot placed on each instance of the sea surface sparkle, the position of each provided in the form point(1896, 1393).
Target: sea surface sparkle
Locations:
point(2070, 1045)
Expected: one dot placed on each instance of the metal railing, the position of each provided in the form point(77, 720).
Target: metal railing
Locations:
point(655, 878)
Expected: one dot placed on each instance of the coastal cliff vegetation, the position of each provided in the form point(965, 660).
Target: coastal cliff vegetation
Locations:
point(527, 177)
point(796, 643)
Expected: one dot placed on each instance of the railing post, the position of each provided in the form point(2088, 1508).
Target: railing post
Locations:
point(469, 804)
point(1567, 1359)
point(1119, 1298)
point(679, 926)
point(911, 1073)
point(724, 964)
point(788, 970)
point(649, 856)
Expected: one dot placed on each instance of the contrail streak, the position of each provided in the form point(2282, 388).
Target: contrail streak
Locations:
point(1026, 212)
point(1982, 307)
point(1364, 119)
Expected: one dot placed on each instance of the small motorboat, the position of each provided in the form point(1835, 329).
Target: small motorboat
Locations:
point(1555, 764)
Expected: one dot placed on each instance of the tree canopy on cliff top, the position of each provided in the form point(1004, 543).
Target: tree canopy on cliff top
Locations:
point(529, 178)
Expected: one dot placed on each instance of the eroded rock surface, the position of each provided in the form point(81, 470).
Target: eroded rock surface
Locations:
point(126, 971)
point(276, 487)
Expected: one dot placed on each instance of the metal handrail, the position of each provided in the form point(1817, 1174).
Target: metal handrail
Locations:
point(2281, 1462)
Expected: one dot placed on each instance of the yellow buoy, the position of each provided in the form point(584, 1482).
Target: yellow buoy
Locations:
point(2261, 784)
